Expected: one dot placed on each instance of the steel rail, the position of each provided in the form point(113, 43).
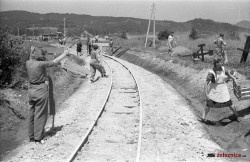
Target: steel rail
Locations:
point(138, 153)
point(85, 138)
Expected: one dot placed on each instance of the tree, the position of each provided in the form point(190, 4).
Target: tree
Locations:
point(124, 35)
point(12, 59)
point(162, 35)
point(193, 34)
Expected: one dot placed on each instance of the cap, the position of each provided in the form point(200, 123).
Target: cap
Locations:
point(95, 46)
point(221, 34)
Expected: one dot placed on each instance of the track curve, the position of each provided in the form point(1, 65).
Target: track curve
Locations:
point(85, 138)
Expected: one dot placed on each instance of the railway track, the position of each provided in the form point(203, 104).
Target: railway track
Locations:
point(115, 134)
point(170, 130)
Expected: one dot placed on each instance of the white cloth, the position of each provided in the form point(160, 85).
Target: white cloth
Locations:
point(170, 38)
point(218, 91)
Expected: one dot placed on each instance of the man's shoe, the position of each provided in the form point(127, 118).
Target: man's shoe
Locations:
point(39, 141)
point(106, 76)
point(32, 140)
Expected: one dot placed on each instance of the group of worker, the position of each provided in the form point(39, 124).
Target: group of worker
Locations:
point(90, 44)
point(94, 51)
point(219, 42)
point(216, 90)
point(38, 86)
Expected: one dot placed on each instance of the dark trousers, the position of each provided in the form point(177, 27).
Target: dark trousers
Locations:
point(99, 67)
point(89, 49)
point(38, 110)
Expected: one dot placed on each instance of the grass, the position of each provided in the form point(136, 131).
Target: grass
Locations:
point(137, 42)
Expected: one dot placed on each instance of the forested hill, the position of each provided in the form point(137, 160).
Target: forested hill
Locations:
point(243, 24)
point(103, 24)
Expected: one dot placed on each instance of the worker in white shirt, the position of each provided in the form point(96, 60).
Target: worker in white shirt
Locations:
point(171, 42)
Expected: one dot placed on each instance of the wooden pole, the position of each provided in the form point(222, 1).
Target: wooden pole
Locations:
point(202, 55)
point(245, 51)
point(52, 104)
point(154, 25)
point(64, 27)
point(148, 27)
point(33, 30)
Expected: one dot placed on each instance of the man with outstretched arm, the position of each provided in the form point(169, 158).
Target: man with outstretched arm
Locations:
point(38, 93)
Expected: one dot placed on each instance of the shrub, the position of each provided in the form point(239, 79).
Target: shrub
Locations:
point(12, 59)
point(162, 35)
point(193, 34)
point(233, 35)
point(124, 35)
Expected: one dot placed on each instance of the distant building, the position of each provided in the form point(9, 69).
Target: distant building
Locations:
point(47, 37)
point(46, 33)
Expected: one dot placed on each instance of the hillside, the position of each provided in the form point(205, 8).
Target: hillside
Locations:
point(243, 24)
point(103, 24)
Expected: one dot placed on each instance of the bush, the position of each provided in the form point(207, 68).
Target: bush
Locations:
point(124, 35)
point(12, 59)
point(162, 35)
point(193, 34)
point(233, 35)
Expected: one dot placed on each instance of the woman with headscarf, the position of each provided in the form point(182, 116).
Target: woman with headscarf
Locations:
point(220, 48)
point(216, 89)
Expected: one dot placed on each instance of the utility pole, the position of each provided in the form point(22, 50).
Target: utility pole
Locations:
point(148, 29)
point(152, 15)
point(33, 30)
point(64, 35)
point(17, 31)
point(154, 26)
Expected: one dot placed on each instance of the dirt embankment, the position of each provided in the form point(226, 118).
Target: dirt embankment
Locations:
point(233, 136)
point(14, 108)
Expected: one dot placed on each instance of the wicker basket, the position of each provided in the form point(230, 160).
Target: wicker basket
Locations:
point(242, 90)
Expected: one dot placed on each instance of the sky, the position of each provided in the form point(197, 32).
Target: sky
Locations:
point(229, 11)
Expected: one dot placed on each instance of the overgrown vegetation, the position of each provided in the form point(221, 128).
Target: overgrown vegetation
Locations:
point(12, 59)
point(136, 43)
point(162, 35)
point(124, 35)
point(193, 34)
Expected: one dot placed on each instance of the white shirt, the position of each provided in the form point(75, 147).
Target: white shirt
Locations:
point(170, 38)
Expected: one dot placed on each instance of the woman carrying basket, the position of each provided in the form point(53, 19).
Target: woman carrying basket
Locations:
point(216, 89)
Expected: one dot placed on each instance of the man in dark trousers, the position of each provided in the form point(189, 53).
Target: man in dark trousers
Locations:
point(95, 63)
point(111, 45)
point(38, 93)
point(87, 42)
point(79, 48)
